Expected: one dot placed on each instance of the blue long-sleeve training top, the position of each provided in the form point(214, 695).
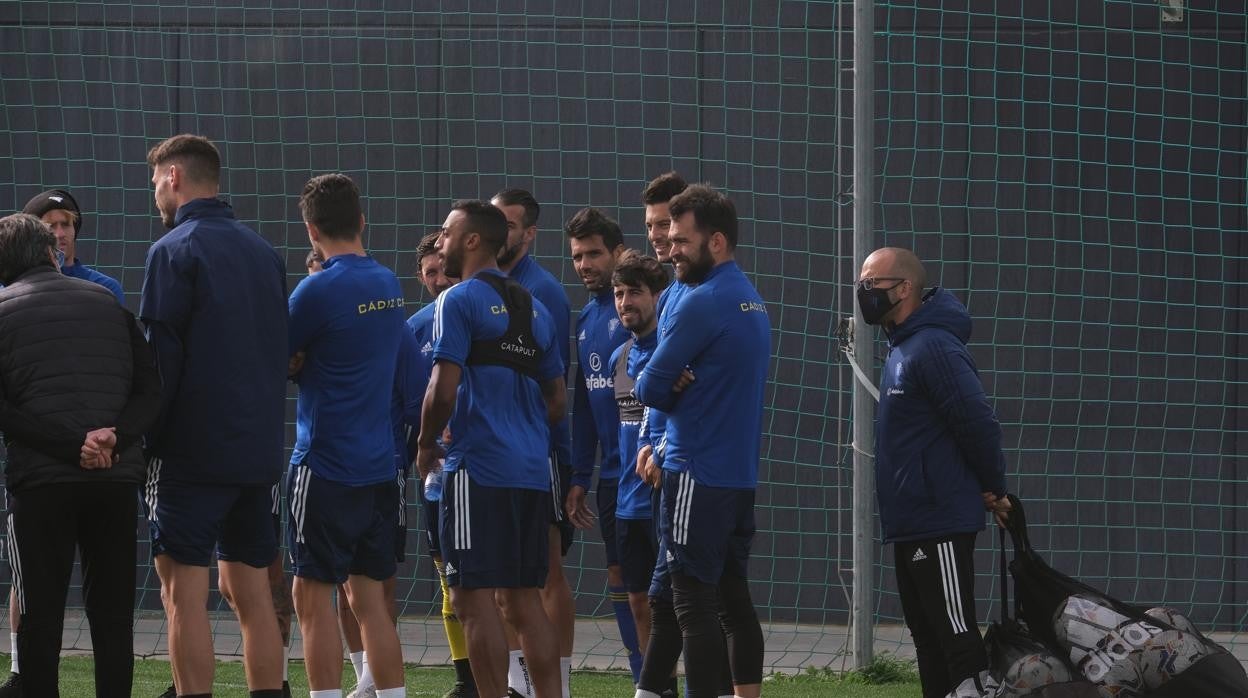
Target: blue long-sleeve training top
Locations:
point(595, 414)
point(721, 331)
point(633, 496)
point(549, 292)
point(654, 421)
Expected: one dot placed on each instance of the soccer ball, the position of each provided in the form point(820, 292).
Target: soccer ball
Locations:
point(1120, 679)
point(1029, 674)
point(1084, 623)
point(1174, 619)
point(1167, 655)
point(982, 686)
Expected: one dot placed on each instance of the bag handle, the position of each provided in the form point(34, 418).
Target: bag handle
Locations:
point(1016, 524)
point(1005, 589)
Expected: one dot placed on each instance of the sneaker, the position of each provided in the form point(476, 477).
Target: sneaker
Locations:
point(12, 688)
point(366, 692)
point(460, 690)
point(170, 692)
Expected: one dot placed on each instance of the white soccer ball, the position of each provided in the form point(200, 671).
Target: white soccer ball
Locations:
point(1175, 619)
point(1083, 623)
point(1029, 674)
point(1167, 655)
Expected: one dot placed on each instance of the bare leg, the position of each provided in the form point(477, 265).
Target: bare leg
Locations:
point(247, 590)
point(557, 597)
point(487, 644)
point(322, 647)
point(184, 593)
point(377, 630)
point(523, 609)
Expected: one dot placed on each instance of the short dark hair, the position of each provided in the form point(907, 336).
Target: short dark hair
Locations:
point(484, 219)
point(661, 189)
point(638, 270)
point(428, 245)
point(313, 256)
point(513, 197)
point(24, 245)
point(331, 202)
point(712, 211)
point(589, 222)
point(199, 158)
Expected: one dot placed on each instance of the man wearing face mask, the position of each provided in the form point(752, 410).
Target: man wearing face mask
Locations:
point(938, 465)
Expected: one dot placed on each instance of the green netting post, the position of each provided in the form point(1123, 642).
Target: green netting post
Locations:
point(862, 630)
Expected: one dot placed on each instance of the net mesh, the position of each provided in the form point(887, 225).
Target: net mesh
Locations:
point(1077, 176)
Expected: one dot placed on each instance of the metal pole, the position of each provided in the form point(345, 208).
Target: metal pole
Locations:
point(862, 630)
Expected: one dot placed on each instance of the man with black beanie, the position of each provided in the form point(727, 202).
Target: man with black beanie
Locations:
point(59, 211)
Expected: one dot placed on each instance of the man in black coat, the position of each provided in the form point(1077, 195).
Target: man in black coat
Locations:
point(78, 387)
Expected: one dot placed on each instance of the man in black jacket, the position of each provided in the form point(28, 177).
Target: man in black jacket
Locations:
point(78, 386)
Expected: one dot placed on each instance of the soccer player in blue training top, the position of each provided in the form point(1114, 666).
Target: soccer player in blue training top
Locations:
point(343, 497)
point(522, 211)
point(936, 432)
point(498, 381)
point(720, 334)
point(433, 275)
point(596, 242)
point(636, 284)
point(214, 303)
point(656, 197)
point(60, 212)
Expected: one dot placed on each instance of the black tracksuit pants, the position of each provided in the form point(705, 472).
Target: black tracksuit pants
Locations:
point(45, 525)
point(936, 584)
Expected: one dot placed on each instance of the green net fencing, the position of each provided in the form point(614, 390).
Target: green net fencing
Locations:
point(1076, 172)
point(1078, 180)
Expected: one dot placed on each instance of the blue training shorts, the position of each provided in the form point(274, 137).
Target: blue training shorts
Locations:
point(336, 530)
point(493, 537)
point(635, 541)
point(707, 530)
point(608, 491)
point(191, 520)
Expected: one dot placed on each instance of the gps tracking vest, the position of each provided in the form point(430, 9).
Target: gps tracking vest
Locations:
point(630, 409)
point(517, 348)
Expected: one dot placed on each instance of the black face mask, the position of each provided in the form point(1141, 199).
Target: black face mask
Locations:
point(874, 304)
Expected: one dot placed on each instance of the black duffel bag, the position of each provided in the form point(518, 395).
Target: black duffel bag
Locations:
point(1022, 665)
point(1124, 650)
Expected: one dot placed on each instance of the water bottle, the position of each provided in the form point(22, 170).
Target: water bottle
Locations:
point(433, 485)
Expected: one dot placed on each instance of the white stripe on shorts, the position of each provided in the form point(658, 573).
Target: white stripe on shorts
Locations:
point(556, 493)
point(401, 479)
point(299, 499)
point(150, 488)
point(15, 566)
point(463, 518)
point(953, 591)
point(684, 505)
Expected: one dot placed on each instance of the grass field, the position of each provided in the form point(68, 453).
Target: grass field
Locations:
point(151, 678)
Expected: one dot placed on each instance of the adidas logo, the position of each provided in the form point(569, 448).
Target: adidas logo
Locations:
point(427, 348)
point(449, 569)
point(582, 336)
point(918, 555)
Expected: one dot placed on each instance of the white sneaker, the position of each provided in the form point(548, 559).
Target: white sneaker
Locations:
point(365, 692)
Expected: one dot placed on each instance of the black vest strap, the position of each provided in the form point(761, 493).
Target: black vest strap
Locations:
point(517, 348)
point(630, 409)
